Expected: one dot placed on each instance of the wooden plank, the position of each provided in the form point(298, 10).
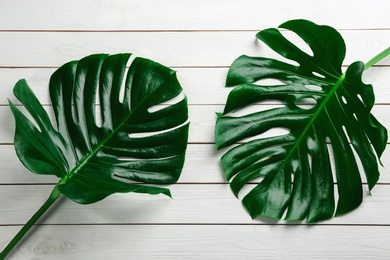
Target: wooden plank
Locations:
point(191, 204)
point(202, 165)
point(202, 124)
point(201, 85)
point(169, 48)
point(202, 242)
point(200, 39)
point(186, 14)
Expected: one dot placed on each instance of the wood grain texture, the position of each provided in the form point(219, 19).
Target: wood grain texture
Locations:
point(187, 14)
point(169, 48)
point(201, 85)
point(199, 39)
point(202, 166)
point(191, 204)
point(202, 119)
point(202, 242)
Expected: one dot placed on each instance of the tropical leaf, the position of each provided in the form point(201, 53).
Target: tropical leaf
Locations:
point(298, 170)
point(127, 141)
point(94, 160)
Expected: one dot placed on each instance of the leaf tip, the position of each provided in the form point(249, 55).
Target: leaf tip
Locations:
point(258, 35)
point(252, 214)
point(168, 193)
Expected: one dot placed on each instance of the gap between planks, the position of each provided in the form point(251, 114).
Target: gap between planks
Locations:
point(205, 224)
point(169, 31)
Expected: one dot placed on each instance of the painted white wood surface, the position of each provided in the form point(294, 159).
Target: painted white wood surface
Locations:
point(124, 242)
point(199, 39)
point(175, 49)
point(187, 14)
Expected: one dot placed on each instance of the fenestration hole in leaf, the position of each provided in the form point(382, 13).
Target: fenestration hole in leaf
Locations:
point(147, 134)
point(126, 158)
point(310, 159)
point(297, 41)
point(354, 115)
point(275, 131)
point(360, 165)
point(98, 115)
point(170, 102)
point(313, 87)
point(119, 178)
point(123, 85)
point(361, 99)
point(247, 188)
point(334, 172)
point(269, 82)
point(283, 59)
point(306, 103)
point(98, 118)
point(346, 133)
point(74, 114)
point(23, 110)
point(318, 75)
point(331, 158)
point(255, 108)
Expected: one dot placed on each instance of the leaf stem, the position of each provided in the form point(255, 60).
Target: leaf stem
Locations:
point(377, 58)
point(55, 194)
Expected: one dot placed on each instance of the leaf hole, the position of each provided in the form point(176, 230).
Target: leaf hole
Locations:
point(74, 114)
point(251, 109)
point(134, 159)
point(24, 111)
point(275, 55)
point(276, 131)
point(361, 99)
point(346, 133)
point(125, 180)
point(269, 82)
point(310, 159)
point(333, 171)
point(311, 144)
point(170, 102)
point(344, 100)
point(313, 87)
point(285, 60)
point(247, 188)
point(297, 41)
point(98, 116)
point(149, 134)
point(359, 164)
point(124, 79)
point(306, 103)
point(354, 115)
point(98, 113)
point(318, 74)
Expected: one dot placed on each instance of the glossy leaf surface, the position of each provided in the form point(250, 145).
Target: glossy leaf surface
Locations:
point(326, 140)
point(126, 140)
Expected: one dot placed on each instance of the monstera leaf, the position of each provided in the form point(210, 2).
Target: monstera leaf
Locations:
point(99, 150)
point(330, 137)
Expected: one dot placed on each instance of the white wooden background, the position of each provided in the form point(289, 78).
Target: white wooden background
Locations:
point(199, 39)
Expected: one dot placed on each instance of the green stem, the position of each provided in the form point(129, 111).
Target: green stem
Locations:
point(377, 58)
point(55, 194)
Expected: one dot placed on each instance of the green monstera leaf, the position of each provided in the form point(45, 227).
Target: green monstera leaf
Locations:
point(96, 151)
point(328, 138)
